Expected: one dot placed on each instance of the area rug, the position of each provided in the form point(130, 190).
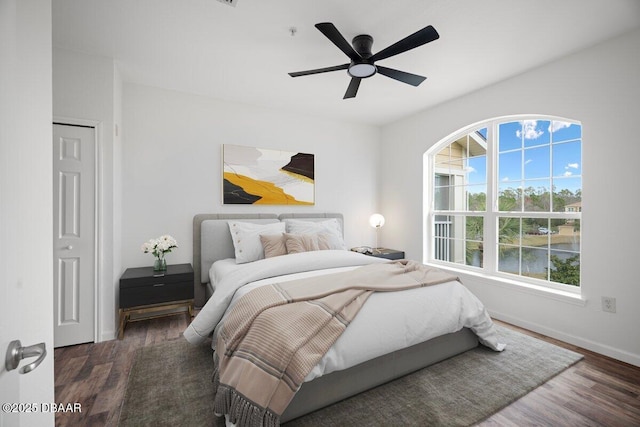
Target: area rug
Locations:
point(170, 384)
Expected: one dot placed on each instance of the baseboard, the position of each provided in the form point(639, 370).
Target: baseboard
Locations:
point(603, 349)
point(107, 336)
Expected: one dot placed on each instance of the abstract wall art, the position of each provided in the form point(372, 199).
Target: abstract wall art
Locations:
point(267, 177)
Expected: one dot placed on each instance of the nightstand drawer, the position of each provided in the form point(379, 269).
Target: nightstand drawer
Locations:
point(143, 286)
point(145, 276)
point(155, 293)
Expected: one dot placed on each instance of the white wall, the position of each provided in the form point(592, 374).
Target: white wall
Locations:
point(163, 164)
point(86, 88)
point(600, 87)
point(172, 167)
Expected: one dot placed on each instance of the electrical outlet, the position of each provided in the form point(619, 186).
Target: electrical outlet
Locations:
point(609, 304)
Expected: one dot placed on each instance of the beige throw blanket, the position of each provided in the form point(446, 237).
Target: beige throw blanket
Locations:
point(277, 333)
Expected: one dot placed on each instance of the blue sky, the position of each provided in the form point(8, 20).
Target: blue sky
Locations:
point(525, 148)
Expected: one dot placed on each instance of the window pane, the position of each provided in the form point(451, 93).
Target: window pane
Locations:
point(567, 159)
point(443, 155)
point(477, 198)
point(510, 166)
point(458, 251)
point(534, 262)
point(568, 235)
point(564, 131)
point(442, 180)
point(477, 170)
point(474, 249)
point(475, 254)
point(443, 161)
point(567, 195)
point(458, 198)
point(509, 259)
point(509, 230)
point(532, 227)
point(509, 136)
point(442, 233)
point(441, 198)
point(535, 132)
point(457, 151)
point(459, 239)
point(510, 197)
point(458, 227)
point(536, 162)
point(445, 166)
point(565, 267)
point(441, 249)
point(537, 197)
point(540, 231)
point(474, 228)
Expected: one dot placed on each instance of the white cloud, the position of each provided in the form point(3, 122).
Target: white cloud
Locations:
point(529, 130)
point(526, 162)
point(471, 169)
point(570, 166)
point(505, 179)
point(557, 125)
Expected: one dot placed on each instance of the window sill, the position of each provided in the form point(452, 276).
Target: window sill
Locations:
point(529, 288)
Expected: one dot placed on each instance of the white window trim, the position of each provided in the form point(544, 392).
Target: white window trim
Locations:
point(511, 283)
point(490, 216)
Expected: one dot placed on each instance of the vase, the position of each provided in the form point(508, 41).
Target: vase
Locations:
point(160, 264)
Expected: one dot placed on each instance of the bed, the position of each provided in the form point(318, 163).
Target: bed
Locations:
point(372, 350)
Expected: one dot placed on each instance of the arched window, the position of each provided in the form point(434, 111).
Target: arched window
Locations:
point(505, 197)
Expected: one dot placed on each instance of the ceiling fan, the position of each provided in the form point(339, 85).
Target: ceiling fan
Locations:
point(362, 63)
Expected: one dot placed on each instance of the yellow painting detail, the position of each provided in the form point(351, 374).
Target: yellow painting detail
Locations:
point(298, 176)
point(270, 194)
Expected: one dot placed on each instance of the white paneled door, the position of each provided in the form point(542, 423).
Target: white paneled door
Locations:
point(74, 164)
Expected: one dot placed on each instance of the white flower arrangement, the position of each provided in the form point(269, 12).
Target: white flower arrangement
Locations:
point(160, 246)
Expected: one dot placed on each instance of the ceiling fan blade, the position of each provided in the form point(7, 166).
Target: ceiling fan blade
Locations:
point(319, 70)
point(401, 76)
point(423, 36)
point(353, 88)
point(332, 33)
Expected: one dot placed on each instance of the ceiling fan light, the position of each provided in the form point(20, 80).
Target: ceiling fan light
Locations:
point(362, 70)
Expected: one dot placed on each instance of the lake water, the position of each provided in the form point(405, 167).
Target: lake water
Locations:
point(534, 260)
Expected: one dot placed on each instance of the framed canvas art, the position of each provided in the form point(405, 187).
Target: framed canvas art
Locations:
point(267, 177)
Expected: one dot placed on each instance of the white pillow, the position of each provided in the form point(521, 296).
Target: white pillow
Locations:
point(329, 226)
point(246, 239)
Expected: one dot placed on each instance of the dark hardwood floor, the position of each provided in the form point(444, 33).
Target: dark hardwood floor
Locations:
point(597, 391)
point(95, 375)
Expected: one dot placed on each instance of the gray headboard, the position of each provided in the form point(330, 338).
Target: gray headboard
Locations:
point(212, 241)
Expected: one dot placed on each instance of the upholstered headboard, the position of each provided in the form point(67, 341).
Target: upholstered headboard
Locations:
point(212, 240)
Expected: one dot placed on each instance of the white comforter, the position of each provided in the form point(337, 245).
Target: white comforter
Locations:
point(389, 321)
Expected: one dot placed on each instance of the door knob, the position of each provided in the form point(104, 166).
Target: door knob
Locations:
point(69, 247)
point(15, 353)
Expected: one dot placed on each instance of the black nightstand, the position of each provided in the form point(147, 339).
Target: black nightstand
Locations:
point(143, 290)
point(387, 253)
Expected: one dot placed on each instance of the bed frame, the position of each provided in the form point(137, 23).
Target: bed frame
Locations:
point(212, 241)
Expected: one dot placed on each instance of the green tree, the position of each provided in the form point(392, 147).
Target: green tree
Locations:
point(565, 271)
point(477, 202)
point(509, 199)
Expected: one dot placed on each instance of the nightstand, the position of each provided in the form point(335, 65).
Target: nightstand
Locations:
point(143, 291)
point(387, 253)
